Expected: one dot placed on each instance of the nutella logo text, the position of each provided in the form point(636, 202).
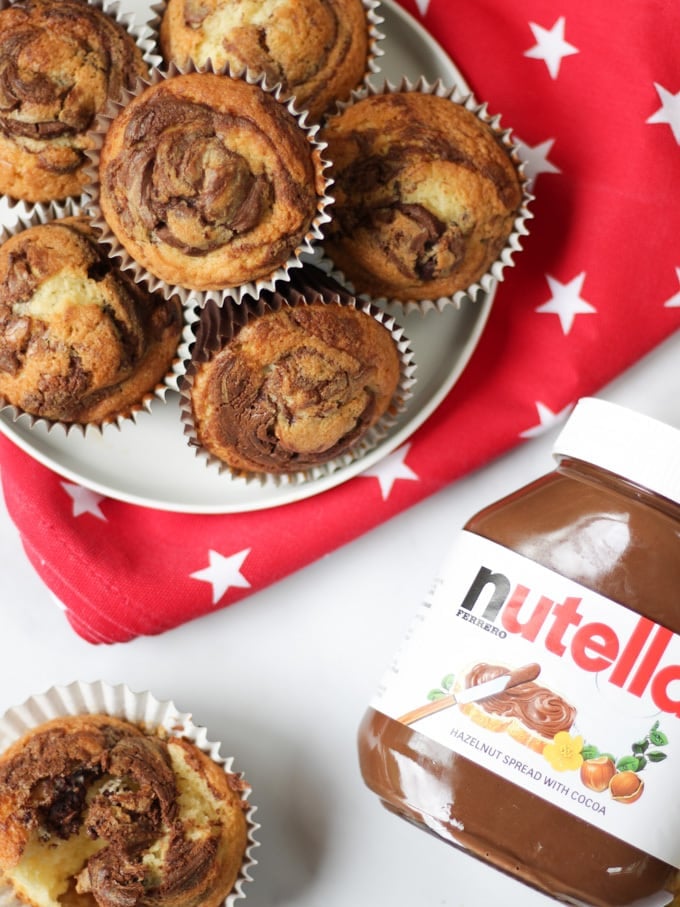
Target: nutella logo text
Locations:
point(633, 659)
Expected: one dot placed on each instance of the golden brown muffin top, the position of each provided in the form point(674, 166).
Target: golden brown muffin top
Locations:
point(266, 36)
point(59, 64)
point(75, 331)
point(295, 388)
point(426, 195)
point(208, 181)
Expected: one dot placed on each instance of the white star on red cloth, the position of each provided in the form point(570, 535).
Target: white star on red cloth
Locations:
point(391, 468)
point(674, 301)
point(546, 420)
point(422, 6)
point(566, 301)
point(550, 46)
point(223, 573)
point(669, 112)
point(536, 158)
point(84, 500)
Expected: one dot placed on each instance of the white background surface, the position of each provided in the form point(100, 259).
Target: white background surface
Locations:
point(283, 678)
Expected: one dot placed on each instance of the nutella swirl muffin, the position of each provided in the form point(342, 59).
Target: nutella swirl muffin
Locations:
point(80, 342)
point(427, 195)
point(335, 37)
point(59, 64)
point(100, 812)
point(287, 385)
point(208, 182)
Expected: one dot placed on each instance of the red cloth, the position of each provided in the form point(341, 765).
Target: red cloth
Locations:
point(595, 97)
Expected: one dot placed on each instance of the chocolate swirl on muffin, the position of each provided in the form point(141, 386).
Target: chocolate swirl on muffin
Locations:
point(208, 182)
point(290, 387)
point(190, 188)
point(80, 341)
point(59, 64)
point(426, 195)
point(137, 818)
point(267, 39)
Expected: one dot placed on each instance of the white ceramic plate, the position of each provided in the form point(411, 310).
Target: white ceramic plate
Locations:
point(150, 462)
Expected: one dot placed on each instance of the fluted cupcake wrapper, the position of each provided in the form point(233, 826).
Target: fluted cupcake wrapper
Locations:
point(141, 31)
point(237, 292)
point(218, 325)
point(53, 212)
point(374, 21)
point(143, 36)
point(488, 281)
point(139, 708)
point(375, 36)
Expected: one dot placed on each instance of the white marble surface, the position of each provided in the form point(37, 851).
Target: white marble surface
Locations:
point(283, 679)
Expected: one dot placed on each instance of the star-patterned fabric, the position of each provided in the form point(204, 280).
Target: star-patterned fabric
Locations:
point(593, 99)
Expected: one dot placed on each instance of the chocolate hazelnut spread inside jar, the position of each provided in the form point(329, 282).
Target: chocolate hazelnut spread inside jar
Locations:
point(532, 715)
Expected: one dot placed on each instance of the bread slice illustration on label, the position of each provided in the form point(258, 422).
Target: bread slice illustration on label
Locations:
point(505, 700)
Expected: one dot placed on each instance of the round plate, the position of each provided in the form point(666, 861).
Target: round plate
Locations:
point(150, 463)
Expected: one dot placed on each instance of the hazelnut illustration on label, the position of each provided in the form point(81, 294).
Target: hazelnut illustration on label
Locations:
point(621, 777)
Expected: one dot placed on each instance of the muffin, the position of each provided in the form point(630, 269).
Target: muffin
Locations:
point(208, 182)
point(427, 195)
point(292, 384)
point(266, 39)
point(59, 64)
point(97, 810)
point(80, 342)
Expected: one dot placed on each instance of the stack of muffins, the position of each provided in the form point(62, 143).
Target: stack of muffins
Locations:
point(205, 168)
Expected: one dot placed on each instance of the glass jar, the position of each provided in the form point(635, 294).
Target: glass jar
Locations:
point(562, 780)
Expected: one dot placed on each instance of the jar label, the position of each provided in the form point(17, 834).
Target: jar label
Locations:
point(553, 687)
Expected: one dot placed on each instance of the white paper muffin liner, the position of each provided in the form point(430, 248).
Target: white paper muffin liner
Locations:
point(513, 244)
point(141, 31)
point(143, 36)
point(142, 709)
point(374, 21)
point(54, 211)
point(376, 37)
point(234, 317)
point(189, 295)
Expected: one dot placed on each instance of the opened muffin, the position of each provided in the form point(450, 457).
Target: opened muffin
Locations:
point(208, 182)
point(59, 64)
point(289, 384)
point(267, 39)
point(95, 810)
point(427, 195)
point(79, 340)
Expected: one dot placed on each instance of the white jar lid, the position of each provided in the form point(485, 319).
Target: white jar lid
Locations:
point(634, 446)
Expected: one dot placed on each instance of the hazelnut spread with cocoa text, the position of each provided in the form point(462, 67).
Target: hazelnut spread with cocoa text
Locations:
point(559, 780)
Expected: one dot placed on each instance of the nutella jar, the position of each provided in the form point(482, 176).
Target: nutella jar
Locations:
point(532, 716)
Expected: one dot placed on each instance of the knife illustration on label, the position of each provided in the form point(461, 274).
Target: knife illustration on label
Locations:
point(473, 694)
